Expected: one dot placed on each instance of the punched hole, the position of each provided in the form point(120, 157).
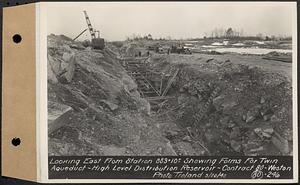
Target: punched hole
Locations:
point(16, 141)
point(17, 38)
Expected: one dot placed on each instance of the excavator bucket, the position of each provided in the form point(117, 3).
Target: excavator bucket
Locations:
point(98, 43)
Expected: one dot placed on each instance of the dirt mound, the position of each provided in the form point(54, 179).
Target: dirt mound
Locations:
point(108, 116)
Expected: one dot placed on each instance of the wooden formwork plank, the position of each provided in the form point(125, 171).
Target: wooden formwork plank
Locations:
point(170, 83)
point(158, 98)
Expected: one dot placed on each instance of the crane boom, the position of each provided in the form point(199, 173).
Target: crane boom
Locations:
point(90, 27)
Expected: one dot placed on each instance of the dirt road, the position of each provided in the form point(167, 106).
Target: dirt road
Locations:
point(251, 60)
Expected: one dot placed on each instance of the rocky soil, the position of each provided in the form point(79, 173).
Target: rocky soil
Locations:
point(216, 107)
point(229, 109)
point(108, 116)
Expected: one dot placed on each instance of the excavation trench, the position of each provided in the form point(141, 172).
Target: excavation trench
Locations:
point(219, 108)
point(100, 104)
point(179, 113)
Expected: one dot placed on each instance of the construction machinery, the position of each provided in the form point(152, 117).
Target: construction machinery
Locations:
point(96, 41)
point(180, 50)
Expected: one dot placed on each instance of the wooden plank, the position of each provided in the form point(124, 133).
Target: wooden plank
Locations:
point(134, 58)
point(281, 59)
point(149, 92)
point(161, 83)
point(170, 83)
point(157, 98)
point(150, 84)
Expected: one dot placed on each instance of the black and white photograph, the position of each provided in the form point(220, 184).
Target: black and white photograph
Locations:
point(170, 79)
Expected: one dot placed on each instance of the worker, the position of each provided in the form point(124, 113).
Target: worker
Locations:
point(156, 49)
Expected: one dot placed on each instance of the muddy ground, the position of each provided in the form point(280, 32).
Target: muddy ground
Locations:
point(217, 105)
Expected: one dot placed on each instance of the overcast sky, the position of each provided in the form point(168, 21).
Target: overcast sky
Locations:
point(116, 21)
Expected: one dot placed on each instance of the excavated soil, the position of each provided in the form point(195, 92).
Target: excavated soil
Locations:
point(231, 109)
point(215, 107)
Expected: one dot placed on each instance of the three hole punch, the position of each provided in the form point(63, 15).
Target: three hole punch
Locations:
point(17, 38)
point(16, 141)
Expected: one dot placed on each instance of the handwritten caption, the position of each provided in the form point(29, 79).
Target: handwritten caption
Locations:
point(170, 167)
